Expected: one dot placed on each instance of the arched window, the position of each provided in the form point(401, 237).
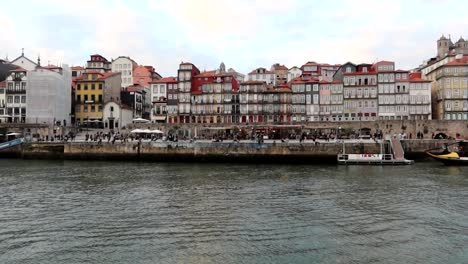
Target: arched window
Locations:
point(112, 109)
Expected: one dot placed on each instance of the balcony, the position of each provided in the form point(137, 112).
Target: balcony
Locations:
point(15, 91)
point(451, 74)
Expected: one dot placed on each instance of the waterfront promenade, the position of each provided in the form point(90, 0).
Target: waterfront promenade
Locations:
point(268, 151)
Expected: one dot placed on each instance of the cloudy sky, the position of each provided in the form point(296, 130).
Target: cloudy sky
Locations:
point(244, 34)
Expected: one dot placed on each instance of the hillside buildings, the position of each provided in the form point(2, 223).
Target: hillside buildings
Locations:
point(448, 73)
point(103, 93)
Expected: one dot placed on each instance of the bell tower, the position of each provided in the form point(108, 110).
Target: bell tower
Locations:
point(442, 46)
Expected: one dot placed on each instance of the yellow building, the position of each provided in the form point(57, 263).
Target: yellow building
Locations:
point(451, 90)
point(93, 90)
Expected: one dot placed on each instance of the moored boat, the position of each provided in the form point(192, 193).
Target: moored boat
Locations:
point(455, 154)
point(395, 156)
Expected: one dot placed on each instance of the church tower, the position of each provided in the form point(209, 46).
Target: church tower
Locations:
point(442, 46)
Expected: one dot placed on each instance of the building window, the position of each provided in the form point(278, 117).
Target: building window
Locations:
point(100, 86)
point(17, 99)
point(100, 98)
point(93, 86)
point(23, 99)
point(10, 99)
point(86, 87)
point(78, 86)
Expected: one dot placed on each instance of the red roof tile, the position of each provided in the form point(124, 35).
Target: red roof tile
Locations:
point(310, 63)
point(206, 74)
point(416, 77)
point(77, 68)
point(459, 62)
point(108, 74)
point(280, 67)
point(134, 88)
point(166, 80)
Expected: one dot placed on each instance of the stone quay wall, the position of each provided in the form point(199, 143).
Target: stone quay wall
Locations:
point(309, 153)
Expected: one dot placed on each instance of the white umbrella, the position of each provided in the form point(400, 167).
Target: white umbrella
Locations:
point(13, 134)
point(147, 131)
point(156, 131)
point(137, 131)
point(140, 120)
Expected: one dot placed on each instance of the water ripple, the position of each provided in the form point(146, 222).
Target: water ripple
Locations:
point(103, 212)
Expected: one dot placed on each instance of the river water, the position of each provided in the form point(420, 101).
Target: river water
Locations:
point(110, 212)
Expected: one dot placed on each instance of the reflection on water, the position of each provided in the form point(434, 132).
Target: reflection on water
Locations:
point(103, 212)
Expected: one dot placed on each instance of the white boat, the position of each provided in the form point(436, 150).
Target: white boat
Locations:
point(395, 157)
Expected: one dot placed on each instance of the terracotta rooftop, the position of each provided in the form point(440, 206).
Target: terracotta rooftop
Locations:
point(108, 74)
point(77, 68)
point(416, 77)
point(280, 67)
point(459, 62)
point(166, 80)
point(134, 88)
point(206, 74)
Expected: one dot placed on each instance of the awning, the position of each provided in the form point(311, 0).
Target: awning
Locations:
point(140, 120)
point(159, 118)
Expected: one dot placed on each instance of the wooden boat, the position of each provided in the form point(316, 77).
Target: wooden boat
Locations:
point(455, 154)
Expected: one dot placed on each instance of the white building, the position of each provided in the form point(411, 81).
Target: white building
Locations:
point(125, 65)
point(25, 63)
point(16, 95)
point(159, 98)
point(48, 95)
point(3, 116)
point(263, 75)
point(420, 100)
point(293, 73)
point(240, 77)
point(116, 116)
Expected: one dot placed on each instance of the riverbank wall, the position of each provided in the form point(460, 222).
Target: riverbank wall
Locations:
point(211, 152)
